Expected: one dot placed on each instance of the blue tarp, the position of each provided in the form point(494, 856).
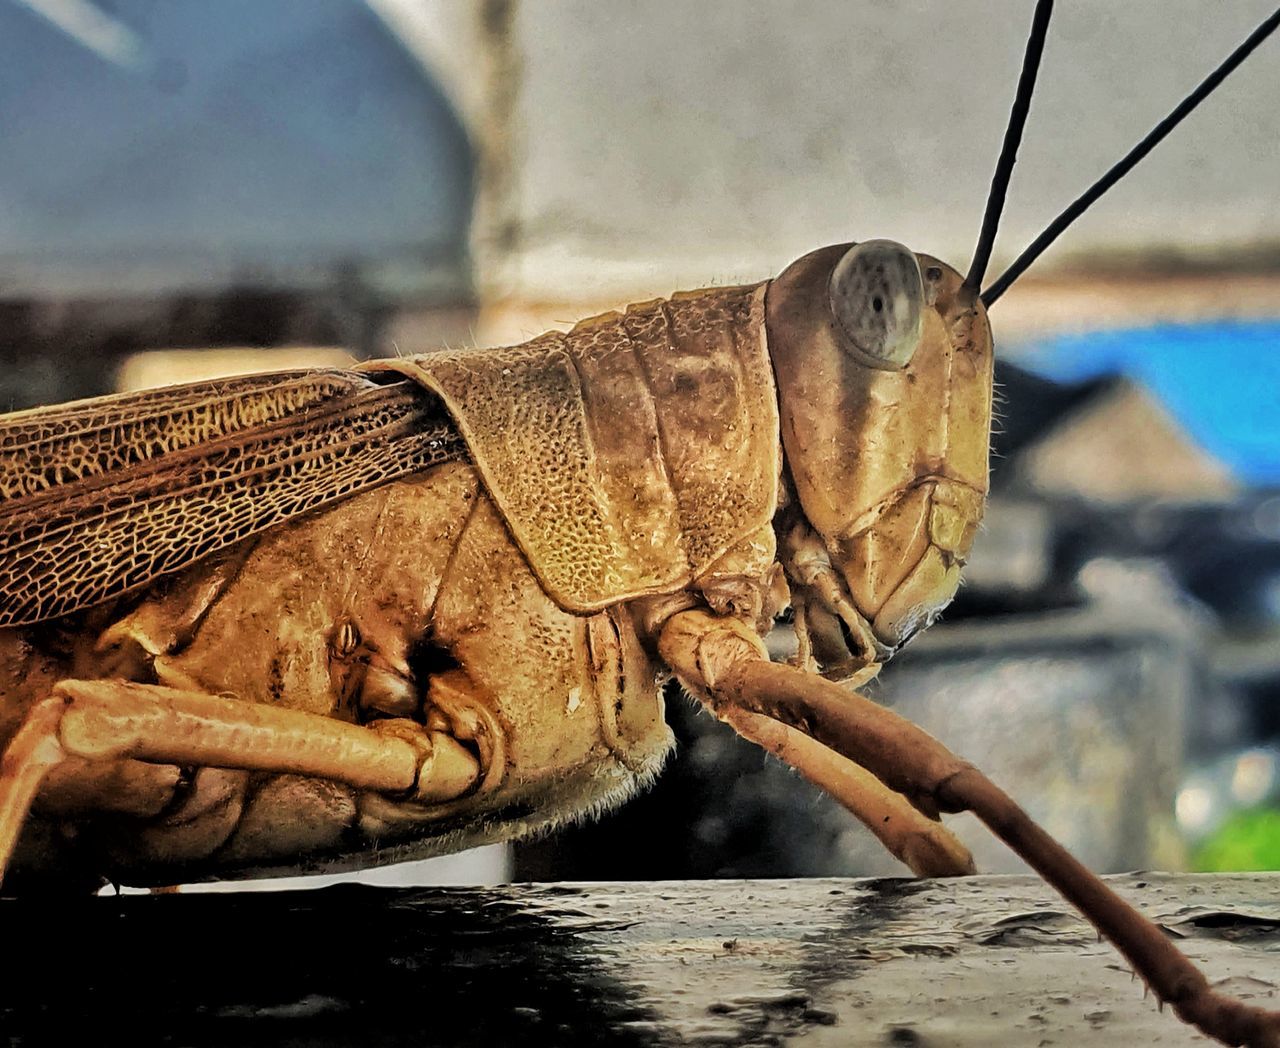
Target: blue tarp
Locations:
point(1220, 380)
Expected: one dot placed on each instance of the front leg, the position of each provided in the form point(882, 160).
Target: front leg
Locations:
point(727, 667)
point(924, 845)
point(910, 835)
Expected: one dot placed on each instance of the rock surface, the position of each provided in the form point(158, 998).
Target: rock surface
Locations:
point(986, 960)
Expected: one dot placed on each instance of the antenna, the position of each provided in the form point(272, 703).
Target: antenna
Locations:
point(1082, 203)
point(1009, 151)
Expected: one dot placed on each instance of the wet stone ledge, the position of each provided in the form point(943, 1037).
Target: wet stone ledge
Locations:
point(983, 961)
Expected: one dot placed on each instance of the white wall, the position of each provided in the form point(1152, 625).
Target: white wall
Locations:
point(662, 143)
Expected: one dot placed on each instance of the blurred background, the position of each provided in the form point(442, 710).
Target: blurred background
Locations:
point(190, 189)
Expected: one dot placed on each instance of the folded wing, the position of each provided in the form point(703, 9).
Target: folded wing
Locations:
point(103, 496)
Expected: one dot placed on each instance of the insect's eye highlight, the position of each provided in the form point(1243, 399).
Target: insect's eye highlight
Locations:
point(877, 298)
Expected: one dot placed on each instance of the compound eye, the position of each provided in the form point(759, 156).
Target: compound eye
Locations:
point(877, 298)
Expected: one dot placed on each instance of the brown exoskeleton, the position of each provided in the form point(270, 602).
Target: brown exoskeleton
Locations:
point(349, 617)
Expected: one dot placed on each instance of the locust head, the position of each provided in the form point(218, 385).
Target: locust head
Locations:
point(883, 362)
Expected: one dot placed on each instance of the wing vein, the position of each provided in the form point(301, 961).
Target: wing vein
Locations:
point(79, 534)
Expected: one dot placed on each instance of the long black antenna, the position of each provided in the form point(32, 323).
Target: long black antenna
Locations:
point(1009, 151)
point(1082, 203)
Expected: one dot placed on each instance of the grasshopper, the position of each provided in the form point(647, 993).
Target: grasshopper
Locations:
point(346, 617)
